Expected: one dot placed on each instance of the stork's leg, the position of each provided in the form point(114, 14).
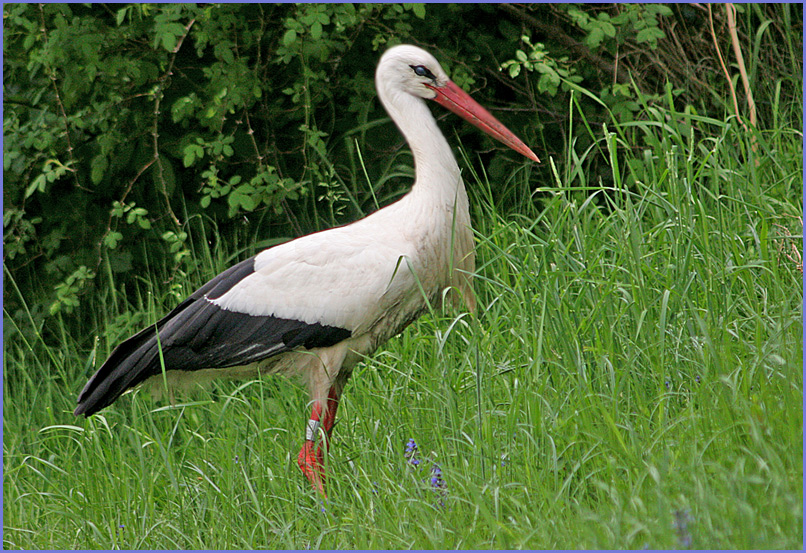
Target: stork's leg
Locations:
point(330, 415)
point(311, 458)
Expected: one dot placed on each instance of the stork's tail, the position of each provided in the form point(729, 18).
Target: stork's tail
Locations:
point(130, 364)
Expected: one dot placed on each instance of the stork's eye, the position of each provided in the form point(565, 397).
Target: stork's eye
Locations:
point(422, 71)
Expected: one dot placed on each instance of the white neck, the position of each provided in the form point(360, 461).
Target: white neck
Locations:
point(437, 174)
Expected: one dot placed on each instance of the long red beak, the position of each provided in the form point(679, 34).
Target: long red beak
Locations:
point(460, 102)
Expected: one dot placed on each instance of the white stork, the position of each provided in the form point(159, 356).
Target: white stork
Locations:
point(317, 305)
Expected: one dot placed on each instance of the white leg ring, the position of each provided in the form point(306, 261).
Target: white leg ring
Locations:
point(312, 430)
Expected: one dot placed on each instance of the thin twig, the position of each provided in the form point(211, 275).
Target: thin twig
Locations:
point(725, 69)
point(52, 74)
point(731, 10)
point(743, 72)
point(734, 36)
point(155, 158)
point(155, 130)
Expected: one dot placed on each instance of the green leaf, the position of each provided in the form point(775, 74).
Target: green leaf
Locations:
point(28, 42)
point(650, 34)
point(192, 152)
point(121, 15)
point(290, 37)
point(38, 184)
point(112, 239)
point(98, 167)
point(658, 9)
point(594, 39)
point(316, 30)
point(168, 40)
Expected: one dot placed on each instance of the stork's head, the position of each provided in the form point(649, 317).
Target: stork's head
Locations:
point(407, 69)
point(410, 69)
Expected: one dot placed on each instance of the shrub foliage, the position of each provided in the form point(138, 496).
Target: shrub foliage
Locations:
point(129, 129)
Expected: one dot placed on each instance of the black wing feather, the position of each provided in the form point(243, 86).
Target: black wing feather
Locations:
point(198, 334)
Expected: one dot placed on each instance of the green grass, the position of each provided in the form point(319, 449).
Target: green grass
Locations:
point(632, 378)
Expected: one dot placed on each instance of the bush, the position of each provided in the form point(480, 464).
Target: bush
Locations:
point(131, 132)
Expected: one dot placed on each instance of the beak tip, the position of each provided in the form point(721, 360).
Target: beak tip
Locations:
point(527, 152)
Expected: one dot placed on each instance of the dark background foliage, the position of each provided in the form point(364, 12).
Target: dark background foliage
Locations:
point(132, 133)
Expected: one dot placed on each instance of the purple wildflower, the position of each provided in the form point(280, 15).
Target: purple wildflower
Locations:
point(436, 478)
point(411, 452)
point(681, 520)
point(438, 484)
